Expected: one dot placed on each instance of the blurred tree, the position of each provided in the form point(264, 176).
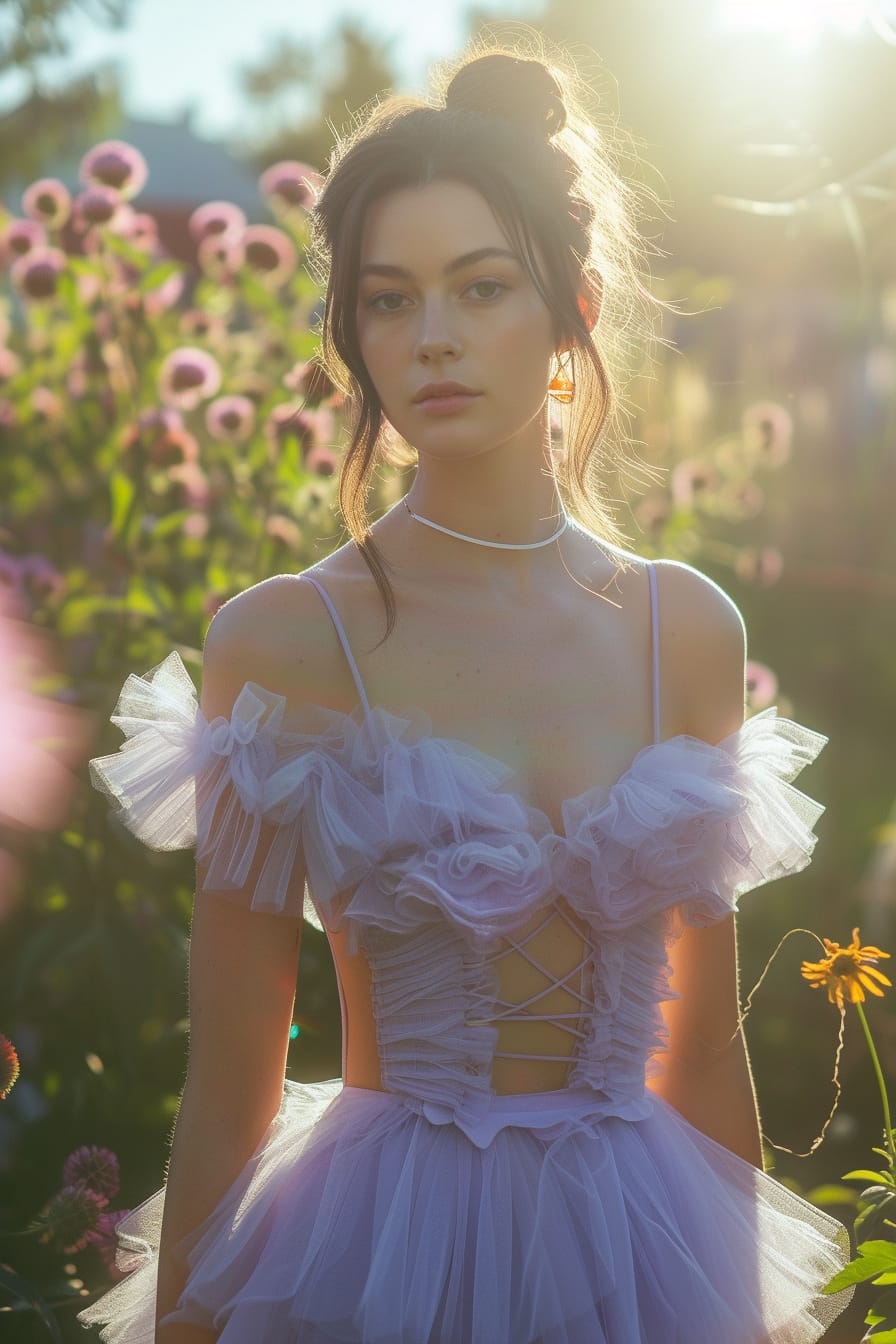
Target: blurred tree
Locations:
point(52, 119)
point(333, 90)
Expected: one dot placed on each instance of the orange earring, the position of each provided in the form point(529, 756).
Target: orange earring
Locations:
point(562, 386)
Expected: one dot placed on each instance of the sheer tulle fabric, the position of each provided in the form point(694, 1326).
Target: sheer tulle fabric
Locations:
point(357, 1220)
point(689, 824)
point(437, 1212)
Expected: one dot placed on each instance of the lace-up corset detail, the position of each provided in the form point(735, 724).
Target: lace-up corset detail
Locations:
point(556, 952)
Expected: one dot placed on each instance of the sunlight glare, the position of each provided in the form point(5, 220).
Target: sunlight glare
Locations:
point(800, 22)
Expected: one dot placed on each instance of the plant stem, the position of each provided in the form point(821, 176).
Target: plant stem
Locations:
point(881, 1084)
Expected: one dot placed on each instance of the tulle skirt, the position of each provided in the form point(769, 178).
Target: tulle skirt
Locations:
point(359, 1220)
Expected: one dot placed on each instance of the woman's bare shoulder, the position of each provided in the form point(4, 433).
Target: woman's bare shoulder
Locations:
point(277, 632)
point(692, 597)
point(704, 645)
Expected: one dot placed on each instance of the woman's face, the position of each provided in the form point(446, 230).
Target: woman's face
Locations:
point(442, 298)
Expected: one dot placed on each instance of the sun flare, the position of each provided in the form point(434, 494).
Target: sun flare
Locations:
point(800, 22)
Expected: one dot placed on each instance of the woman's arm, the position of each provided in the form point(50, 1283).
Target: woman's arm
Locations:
point(706, 1070)
point(242, 982)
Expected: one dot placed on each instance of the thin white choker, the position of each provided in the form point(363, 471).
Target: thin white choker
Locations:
point(499, 545)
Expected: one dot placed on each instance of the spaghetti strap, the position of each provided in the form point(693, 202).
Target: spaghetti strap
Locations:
point(343, 640)
point(655, 647)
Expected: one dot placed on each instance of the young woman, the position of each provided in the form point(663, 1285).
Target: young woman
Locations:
point(524, 815)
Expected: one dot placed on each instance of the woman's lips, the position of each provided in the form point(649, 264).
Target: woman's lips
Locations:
point(447, 405)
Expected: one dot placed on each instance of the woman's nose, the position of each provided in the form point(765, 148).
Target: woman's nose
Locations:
point(436, 335)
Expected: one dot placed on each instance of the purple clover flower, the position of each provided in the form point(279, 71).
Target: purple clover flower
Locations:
point(48, 201)
point(115, 164)
point(70, 1216)
point(270, 253)
point(216, 219)
point(36, 274)
point(290, 185)
point(19, 237)
point(220, 256)
point(95, 205)
point(188, 376)
point(230, 418)
point(94, 1167)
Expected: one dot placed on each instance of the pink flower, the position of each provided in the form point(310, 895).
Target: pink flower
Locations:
point(216, 219)
point(96, 205)
point(322, 461)
point(19, 237)
point(230, 418)
point(197, 324)
point(290, 185)
point(95, 1167)
point(36, 275)
point(115, 164)
point(49, 201)
point(140, 230)
point(220, 257)
point(164, 296)
point(743, 499)
point(67, 1219)
point(43, 738)
point(158, 432)
point(692, 479)
point(768, 432)
point(192, 481)
point(47, 405)
point(104, 1237)
point(762, 685)
point(188, 376)
point(270, 253)
point(284, 529)
point(760, 566)
point(10, 364)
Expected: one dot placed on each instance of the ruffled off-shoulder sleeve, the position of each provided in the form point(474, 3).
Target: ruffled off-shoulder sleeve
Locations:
point(237, 790)
point(693, 826)
point(741, 822)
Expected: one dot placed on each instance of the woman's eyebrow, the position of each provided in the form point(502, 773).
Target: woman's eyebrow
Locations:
point(468, 259)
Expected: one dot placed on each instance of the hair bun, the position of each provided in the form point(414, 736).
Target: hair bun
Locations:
point(518, 88)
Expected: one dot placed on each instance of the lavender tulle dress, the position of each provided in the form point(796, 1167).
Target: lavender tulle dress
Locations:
point(437, 1211)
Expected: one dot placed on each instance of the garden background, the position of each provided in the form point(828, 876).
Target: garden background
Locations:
point(164, 444)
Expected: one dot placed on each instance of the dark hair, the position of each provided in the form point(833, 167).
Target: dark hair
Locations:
point(507, 125)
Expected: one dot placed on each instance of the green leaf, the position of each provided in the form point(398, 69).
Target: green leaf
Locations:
point(873, 1336)
point(874, 1257)
point(875, 1177)
point(155, 278)
point(883, 1310)
point(122, 491)
point(831, 1194)
point(135, 256)
point(24, 1291)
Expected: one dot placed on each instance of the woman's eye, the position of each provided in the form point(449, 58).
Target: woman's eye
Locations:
point(382, 302)
point(495, 286)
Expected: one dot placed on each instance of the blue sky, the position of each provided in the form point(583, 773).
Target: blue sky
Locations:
point(177, 52)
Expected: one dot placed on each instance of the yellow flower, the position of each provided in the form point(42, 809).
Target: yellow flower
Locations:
point(847, 971)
